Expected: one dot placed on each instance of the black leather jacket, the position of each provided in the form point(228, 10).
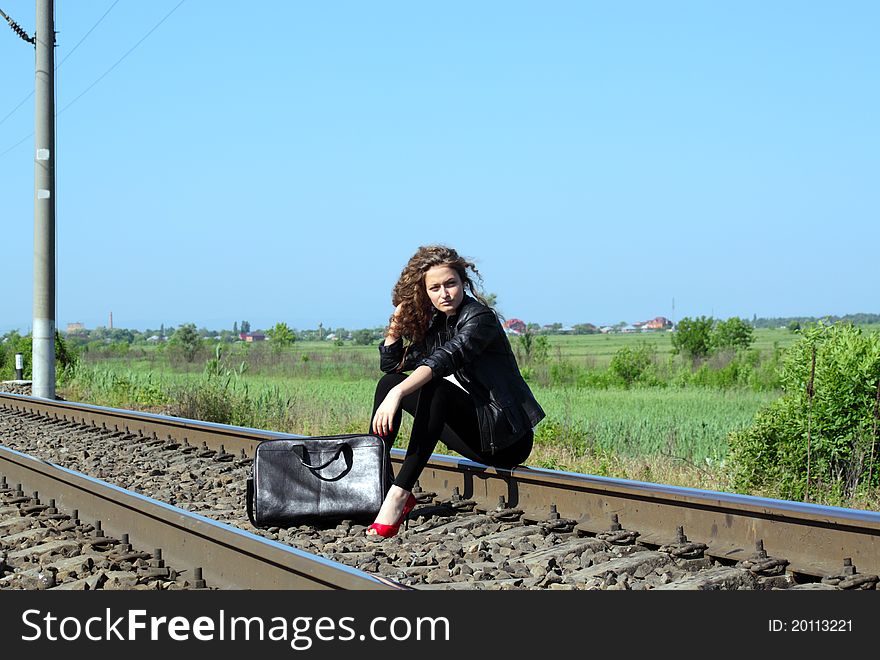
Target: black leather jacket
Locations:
point(473, 346)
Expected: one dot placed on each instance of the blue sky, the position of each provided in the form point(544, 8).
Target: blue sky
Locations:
point(280, 161)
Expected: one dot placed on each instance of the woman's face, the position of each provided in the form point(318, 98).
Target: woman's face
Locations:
point(444, 288)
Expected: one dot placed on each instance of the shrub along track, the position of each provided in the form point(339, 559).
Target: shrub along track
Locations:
point(474, 528)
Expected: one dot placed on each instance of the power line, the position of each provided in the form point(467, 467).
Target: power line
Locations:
point(127, 53)
point(16, 144)
point(12, 112)
point(58, 66)
point(24, 35)
point(103, 75)
point(86, 35)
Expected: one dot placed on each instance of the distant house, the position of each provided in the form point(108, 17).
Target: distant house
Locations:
point(515, 326)
point(658, 323)
point(252, 336)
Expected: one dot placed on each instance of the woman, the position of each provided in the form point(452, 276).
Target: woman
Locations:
point(464, 385)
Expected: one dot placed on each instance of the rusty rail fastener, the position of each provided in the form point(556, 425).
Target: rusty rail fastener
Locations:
point(617, 535)
point(504, 513)
point(682, 548)
point(850, 578)
point(762, 563)
point(556, 523)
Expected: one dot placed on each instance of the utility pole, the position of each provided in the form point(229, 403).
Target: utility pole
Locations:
point(43, 362)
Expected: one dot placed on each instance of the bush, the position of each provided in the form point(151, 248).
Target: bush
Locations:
point(699, 338)
point(66, 356)
point(225, 400)
point(821, 436)
point(16, 344)
point(631, 363)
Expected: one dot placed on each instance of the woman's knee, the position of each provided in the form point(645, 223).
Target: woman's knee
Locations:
point(388, 381)
point(440, 393)
point(516, 454)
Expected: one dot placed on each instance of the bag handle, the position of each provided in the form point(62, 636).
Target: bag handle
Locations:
point(302, 460)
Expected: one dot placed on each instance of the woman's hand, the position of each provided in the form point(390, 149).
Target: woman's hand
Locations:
point(383, 420)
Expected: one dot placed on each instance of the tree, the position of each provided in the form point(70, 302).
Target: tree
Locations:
point(733, 334)
point(281, 336)
point(121, 335)
point(245, 326)
point(235, 328)
point(363, 337)
point(186, 340)
point(584, 328)
point(693, 337)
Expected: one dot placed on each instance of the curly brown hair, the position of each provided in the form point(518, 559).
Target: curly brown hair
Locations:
point(416, 310)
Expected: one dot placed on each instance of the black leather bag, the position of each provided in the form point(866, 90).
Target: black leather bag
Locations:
point(305, 480)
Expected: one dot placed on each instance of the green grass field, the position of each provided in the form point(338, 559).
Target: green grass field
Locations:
point(585, 350)
point(686, 423)
point(674, 430)
point(598, 349)
point(591, 350)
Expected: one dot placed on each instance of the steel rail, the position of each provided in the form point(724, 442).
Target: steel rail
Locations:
point(816, 540)
point(230, 558)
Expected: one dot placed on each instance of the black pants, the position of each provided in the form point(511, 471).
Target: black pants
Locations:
point(442, 410)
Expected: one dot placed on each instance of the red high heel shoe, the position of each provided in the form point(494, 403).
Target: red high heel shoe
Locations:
point(387, 531)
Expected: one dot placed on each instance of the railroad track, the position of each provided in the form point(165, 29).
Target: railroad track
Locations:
point(475, 527)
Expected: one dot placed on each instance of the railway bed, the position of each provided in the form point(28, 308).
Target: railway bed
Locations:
point(474, 527)
point(46, 548)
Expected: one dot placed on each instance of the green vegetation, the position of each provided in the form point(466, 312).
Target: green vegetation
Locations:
point(861, 320)
point(699, 338)
point(638, 404)
point(186, 340)
point(634, 405)
point(693, 337)
point(281, 336)
point(631, 363)
point(65, 356)
point(820, 438)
